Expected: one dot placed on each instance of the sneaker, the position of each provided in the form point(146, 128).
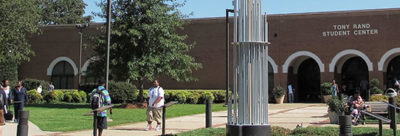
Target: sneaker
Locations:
point(148, 128)
point(158, 127)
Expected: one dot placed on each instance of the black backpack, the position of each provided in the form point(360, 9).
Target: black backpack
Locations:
point(97, 99)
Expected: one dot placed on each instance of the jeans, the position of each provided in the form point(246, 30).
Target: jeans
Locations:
point(291, 97)
point(18, 107)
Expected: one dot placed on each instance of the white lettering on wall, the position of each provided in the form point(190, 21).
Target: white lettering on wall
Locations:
point(347, 30)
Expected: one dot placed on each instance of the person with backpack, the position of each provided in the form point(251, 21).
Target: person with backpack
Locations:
point(100, 98)
point(155, 103)
point(18, 97)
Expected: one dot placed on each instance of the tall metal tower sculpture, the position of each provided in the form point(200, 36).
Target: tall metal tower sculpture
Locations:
point(248, 104)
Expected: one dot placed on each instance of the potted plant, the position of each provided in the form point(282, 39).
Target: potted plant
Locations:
point(336, 107)
point(326, 91)
point(279, 94)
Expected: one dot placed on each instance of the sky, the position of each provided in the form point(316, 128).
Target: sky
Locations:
point(216, 8)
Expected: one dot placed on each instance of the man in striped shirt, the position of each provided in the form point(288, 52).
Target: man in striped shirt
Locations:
point(106, 100)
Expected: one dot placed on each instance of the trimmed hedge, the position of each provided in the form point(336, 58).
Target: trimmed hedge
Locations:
point(193, 96)
point(57, 96)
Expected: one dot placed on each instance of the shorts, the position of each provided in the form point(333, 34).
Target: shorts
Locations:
point(154, 114)
point(102, 122)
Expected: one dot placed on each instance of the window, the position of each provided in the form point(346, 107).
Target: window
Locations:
point(63, 75)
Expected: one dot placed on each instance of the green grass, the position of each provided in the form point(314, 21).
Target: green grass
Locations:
point(205, 132)
point(69, 117)
point(309, 131)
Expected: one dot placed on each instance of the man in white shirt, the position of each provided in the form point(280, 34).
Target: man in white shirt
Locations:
point(155, 103)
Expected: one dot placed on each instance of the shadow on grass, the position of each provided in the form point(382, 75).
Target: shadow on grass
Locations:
point(62, 105)
point(368, 134)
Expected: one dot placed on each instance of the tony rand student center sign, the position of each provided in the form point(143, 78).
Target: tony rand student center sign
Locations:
point(350, 29)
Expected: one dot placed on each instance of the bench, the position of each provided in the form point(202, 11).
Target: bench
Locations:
point(380, 108)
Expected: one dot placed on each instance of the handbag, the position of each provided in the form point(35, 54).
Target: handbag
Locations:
point(8, 115)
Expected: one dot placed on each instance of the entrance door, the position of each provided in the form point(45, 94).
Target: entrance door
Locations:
point(393, 72)
point(354, 72)
point(308, 82)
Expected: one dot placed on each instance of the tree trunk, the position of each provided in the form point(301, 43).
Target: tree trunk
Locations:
point(140, 96)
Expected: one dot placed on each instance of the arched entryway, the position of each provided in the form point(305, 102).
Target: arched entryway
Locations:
point(393, 72)
point(303, 70)
point(354, 76)
point(308, 82)
point(63, 75)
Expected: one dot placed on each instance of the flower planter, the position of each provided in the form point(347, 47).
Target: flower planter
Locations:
point(279, 100)
point(326, 98)
point(333, 117)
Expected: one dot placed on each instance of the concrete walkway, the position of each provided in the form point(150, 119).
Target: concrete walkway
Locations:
point(285, 115)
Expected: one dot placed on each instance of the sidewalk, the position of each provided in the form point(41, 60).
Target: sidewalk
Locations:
point(10, 129)
point(284, 115)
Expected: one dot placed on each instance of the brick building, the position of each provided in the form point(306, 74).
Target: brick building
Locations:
point(306, 49)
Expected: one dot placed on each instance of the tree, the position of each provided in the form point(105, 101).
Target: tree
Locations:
point(145, 44)
point(18, 20)
point(63, 12)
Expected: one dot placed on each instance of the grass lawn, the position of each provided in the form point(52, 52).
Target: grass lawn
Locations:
point(309, 131)
point(69, 117)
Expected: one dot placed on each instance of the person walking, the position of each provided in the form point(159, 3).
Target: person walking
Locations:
point(19, 97)
point(105, 100)
point(290, 92)
point(335, 88)
point(6, 88)
point(154, 107)
point(3, 103)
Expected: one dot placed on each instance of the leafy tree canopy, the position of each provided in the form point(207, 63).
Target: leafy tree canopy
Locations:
point(63, 12)
point(145, 44)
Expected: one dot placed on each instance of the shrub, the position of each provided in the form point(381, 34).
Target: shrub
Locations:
point(49, 97)
point(193, 98)
point(278, 91)
point(31, 84)
point(336, 105)
point(76, 97)
point(377, 98)
point(34, 97)
point(326, 88)
point(122, 92)
point(68, 96)
point(206, 95)
point(374, 82)
point(59, 95)
point(375, 90)
point(280, 131)
point(219, 96)
point(84, 96)
point(181, 96)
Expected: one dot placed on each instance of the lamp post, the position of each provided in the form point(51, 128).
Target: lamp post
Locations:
point(108, 39)
point(227, 53)
point(80, 27)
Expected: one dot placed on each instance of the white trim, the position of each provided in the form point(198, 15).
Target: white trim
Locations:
point(273, 64)
point(86, 64)
point(386, 58)
point(294, 56)
point(351, 53)
point(59, 59)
